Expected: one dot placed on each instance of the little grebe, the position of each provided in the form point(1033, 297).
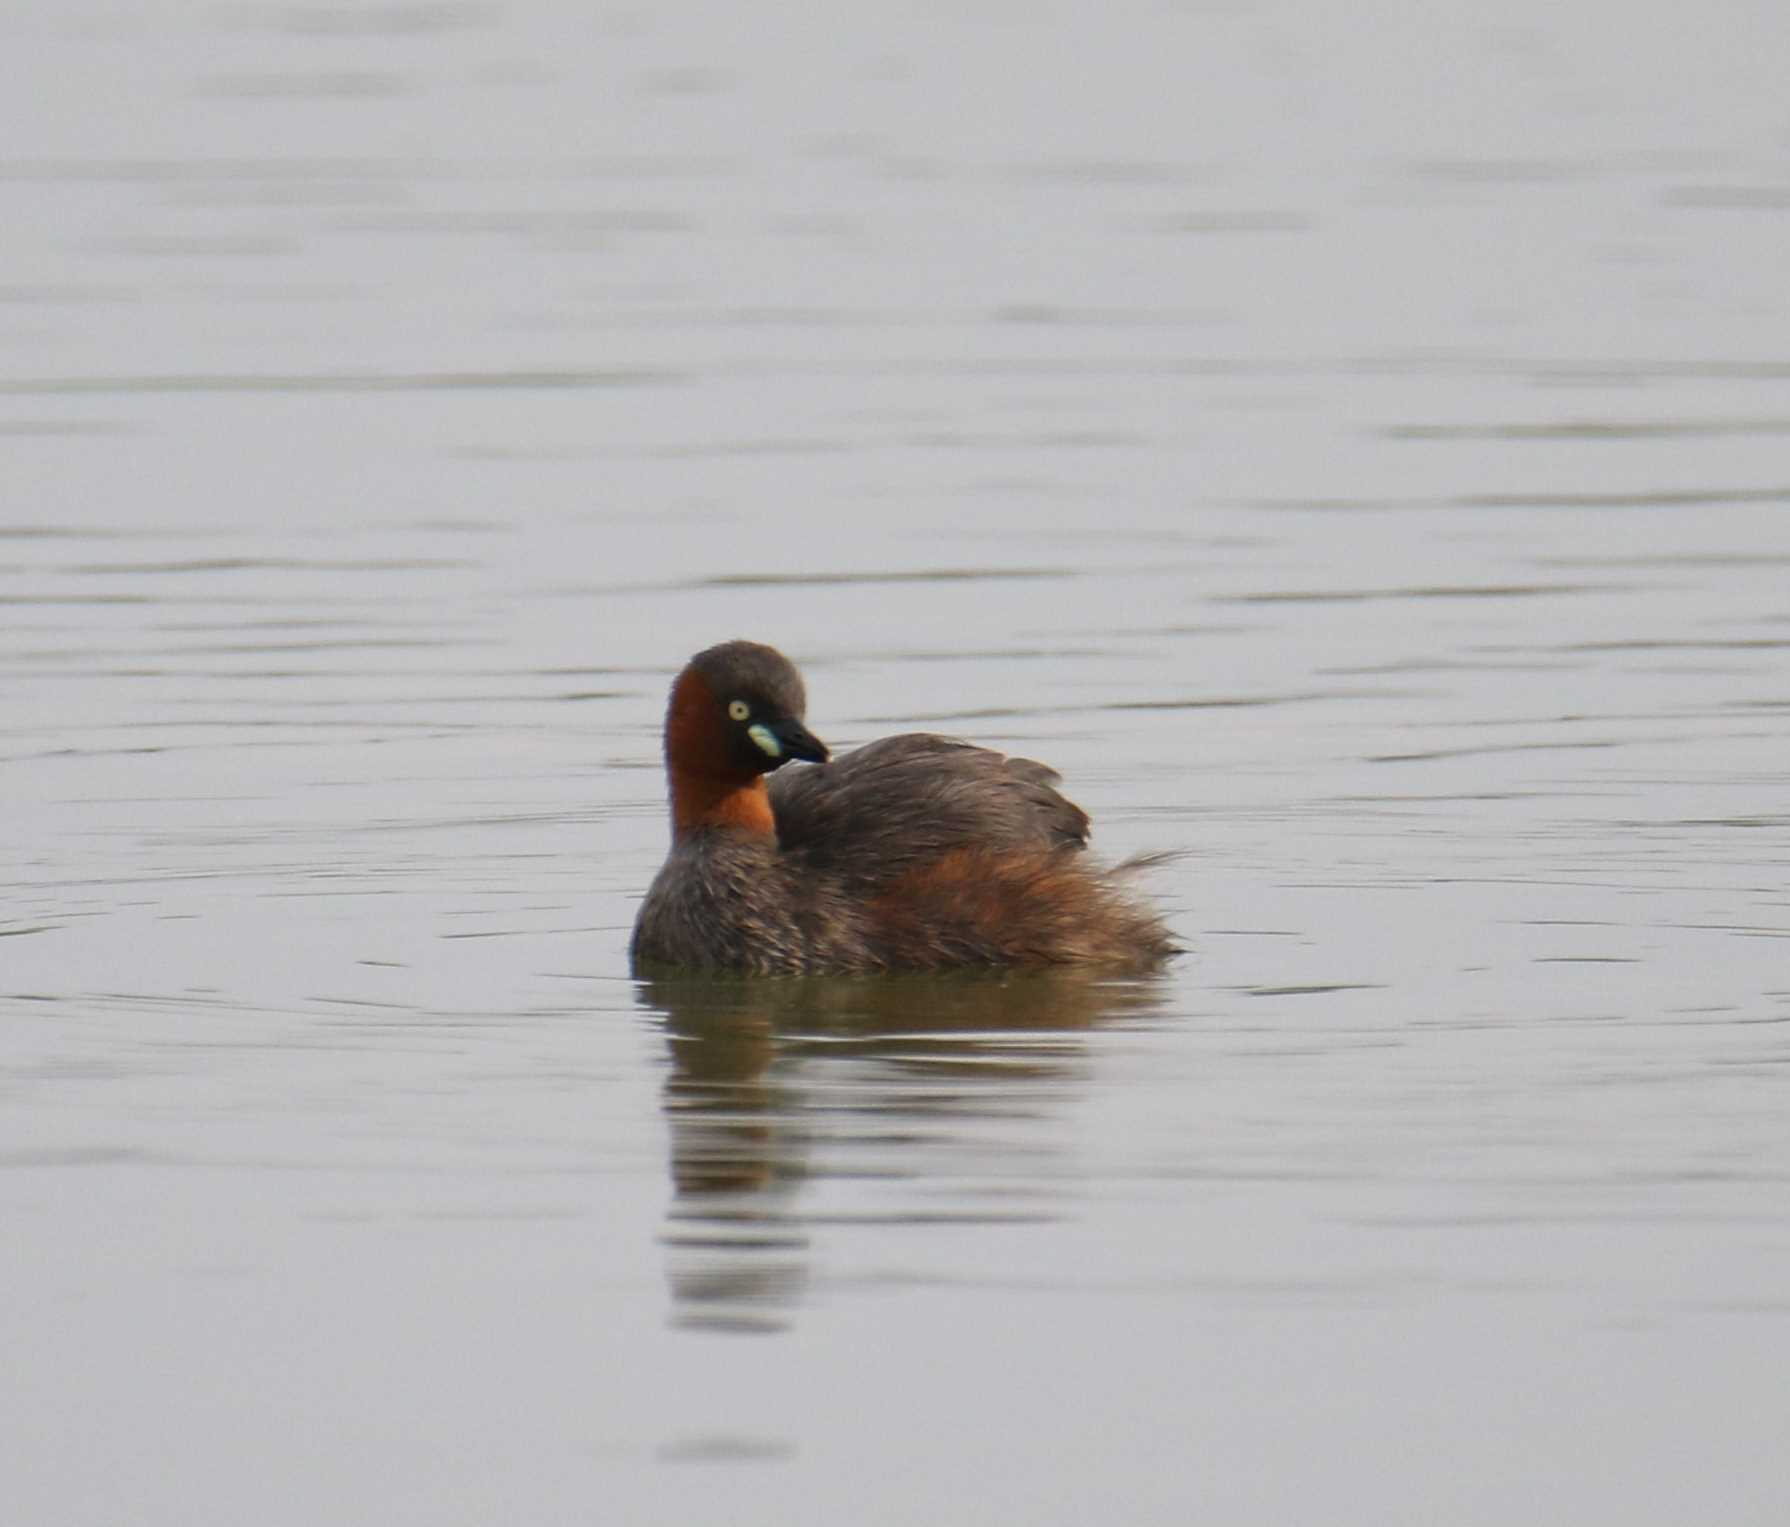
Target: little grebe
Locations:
point(913, 853)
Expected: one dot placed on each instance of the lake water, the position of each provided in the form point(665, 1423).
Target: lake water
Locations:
point(1351, 443)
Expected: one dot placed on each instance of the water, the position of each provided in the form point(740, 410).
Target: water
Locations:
point(1350, 446)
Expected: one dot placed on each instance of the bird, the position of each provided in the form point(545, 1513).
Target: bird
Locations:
point(913, 852)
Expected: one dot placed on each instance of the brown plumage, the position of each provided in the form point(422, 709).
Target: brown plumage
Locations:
point(915, 852)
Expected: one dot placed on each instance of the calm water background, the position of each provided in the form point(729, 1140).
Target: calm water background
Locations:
point(1352, 442)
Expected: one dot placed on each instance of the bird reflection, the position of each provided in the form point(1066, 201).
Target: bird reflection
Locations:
point(780, 1086)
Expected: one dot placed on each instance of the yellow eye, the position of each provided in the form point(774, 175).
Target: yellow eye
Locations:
point(738, 709)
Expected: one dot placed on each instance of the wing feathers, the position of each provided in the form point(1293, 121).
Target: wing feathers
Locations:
point(875, 813)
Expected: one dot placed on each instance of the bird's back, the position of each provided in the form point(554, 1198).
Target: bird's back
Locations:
point(901, 802)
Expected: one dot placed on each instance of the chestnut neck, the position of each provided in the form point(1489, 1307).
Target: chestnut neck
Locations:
point(712, 800)
point(707, 788)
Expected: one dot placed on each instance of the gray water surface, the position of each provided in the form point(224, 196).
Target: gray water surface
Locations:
point(1352, 444)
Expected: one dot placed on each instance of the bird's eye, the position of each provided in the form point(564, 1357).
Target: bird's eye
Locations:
point(738, 709)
